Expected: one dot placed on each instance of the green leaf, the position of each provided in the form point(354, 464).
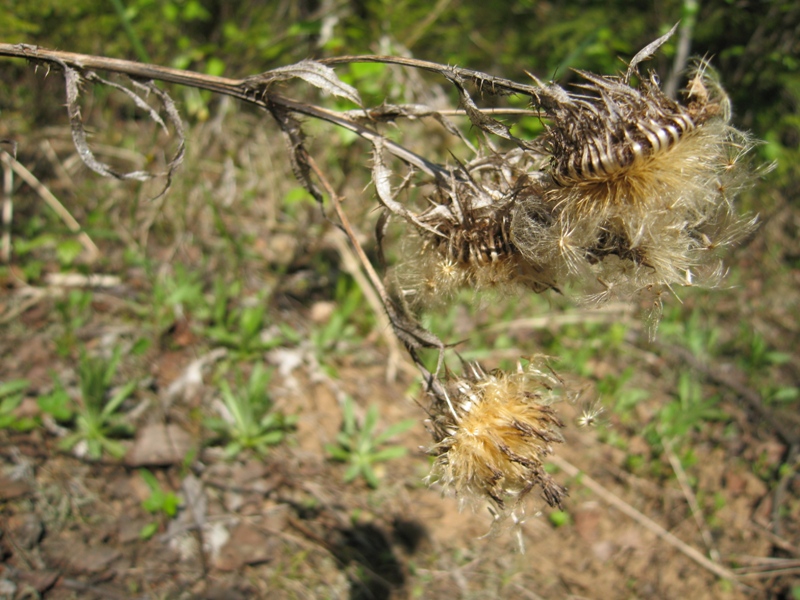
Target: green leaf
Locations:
point(394, 430)
point(69, 441)
point(337, 452)
point(233, 449)
point(7, 405)
point(148, 531)
point(171, 504)
point(12, 387)
point(388, 453)
point(150, 480)
point(120, 397)
point(348, 410)
point(786, 394)
point(114, 448)
point(370, 421)
point(68, 250)
point(370, 476)
point(352, 472)
point(269, 439)
point(141, 346)
point(95, 447)
point(251, 320)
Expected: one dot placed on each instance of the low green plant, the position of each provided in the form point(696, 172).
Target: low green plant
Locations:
point(74, 312)
point(250, 423)
point(160, 502)
point(57, 403)
point(239, 327)
point(95, 416)
point(690, 410)
point(360, 445)
point(343, 330)
point(559, 518)
point(175, 295)
point(11, 396)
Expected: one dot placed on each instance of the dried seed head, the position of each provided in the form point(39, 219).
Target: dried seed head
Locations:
point(477, 256)
point(639, 189)
point(492, 433)
point(463, 239)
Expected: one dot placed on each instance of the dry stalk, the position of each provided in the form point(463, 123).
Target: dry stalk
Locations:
point(11, 164)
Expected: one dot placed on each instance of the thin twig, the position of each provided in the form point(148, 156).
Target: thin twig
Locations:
point(690, 9)
point(351, 265)
point(688, 493)
point(8, 211)
point(53, 202)
point(783, 544)
point(243, 89)
point(643, 520)
point(58, 167)
point(771, 573)
point(408, 332)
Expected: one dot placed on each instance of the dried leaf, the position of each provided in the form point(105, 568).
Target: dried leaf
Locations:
point(648, 51)
point(298, 155)
point(73, 80)
point(312, 72)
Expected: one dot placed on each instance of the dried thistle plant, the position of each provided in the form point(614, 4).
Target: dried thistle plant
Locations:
point(627, 192)
point(464, 238)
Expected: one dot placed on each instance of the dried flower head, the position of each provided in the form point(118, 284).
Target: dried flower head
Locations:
point(492, 433)
point(463, 238)
point(639, 190)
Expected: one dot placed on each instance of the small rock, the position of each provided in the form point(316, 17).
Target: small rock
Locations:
point(321, 311)
point(130, 530)
point(79, 557)
point(603, 550)
point(247, 472)
point(246, 546)
point(7, 588)
point(27, 530)
point(93, 559)
point(159, 445)
point(276, 518)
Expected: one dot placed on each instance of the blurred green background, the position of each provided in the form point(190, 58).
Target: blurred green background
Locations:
point(754, 44)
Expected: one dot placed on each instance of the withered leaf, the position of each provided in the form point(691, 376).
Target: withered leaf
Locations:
point(312, 72)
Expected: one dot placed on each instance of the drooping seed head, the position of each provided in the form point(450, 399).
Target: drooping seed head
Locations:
point(492, 434)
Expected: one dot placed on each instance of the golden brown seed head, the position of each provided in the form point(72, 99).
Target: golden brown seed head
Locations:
point(492, 435)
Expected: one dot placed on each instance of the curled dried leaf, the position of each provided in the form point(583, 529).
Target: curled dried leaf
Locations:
point(317, 74)
point(74, 78)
